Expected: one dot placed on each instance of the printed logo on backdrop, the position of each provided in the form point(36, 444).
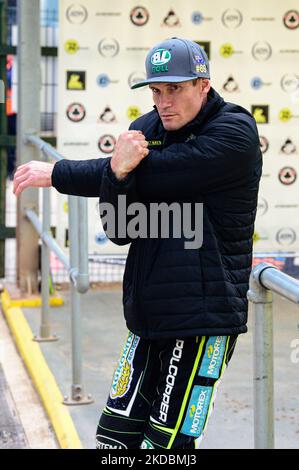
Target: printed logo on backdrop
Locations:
point(206, 45)
point(101, 238)
point(261, 51)
point(198, 18)
point(286, 206)
point(71, 46)
point(262, 206)
point(133, 112)
point(75, 112)
point(76, 144)
point(138, 48)
point(260, 113)
point(108, 47)
point(171, 20)
point(139, 16)
point(75, 80)
point(287, 175)
point(257, 83)
point(264, 143)
point(230, 85)
point(227, 50)
point(108, 13)
point(291, 19)
point(107, 116)
point(76, 14)
point(260, 236)
point(285, 114)
point(263, 18)
point(232, 18)
point(288, 147)
point(103, 80)
point(107, 143)
point(290, 82)
point(286, 236)
point(136, 77)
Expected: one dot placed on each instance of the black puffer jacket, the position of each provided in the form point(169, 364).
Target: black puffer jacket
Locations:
point(168, 290)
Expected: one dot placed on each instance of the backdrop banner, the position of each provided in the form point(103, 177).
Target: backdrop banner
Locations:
point(253, 49)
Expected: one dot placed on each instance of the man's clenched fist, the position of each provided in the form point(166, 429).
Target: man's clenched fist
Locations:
point(130, 149)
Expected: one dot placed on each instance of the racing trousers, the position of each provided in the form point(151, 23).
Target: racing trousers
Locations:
point(163, 392)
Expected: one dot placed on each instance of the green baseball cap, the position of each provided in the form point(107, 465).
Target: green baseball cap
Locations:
point(175, 60)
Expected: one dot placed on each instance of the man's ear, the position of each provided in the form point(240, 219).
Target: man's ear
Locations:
point(205, 85)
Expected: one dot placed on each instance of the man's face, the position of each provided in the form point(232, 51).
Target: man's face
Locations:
point(179, 103)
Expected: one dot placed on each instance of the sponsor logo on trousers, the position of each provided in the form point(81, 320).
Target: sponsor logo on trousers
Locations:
point(198, 410)
point(170, 379)
point(103, 442)
point(213, 358)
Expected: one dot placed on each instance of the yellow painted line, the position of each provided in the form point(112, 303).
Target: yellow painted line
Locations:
point(41, 375)
point(36, 302)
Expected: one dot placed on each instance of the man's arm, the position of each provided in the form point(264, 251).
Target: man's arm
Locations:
point(76, 177)
point(79, 177)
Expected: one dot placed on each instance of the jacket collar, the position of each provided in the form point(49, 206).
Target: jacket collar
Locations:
point(213, 104)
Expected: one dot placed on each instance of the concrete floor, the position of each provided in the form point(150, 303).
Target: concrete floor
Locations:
point(231, 424)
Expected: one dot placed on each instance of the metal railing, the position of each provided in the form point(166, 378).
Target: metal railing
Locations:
point(264, 280)
point(77, 266)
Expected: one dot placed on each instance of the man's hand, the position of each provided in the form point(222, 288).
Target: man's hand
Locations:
point(130, 149)
point(33, 174)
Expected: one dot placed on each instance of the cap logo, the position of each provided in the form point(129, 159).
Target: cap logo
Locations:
point(201, 68)
point(198, 59)
point(160, 57)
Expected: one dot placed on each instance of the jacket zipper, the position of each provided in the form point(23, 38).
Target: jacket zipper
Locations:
point(140, 255)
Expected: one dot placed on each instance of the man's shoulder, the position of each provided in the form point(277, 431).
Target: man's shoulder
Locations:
point(235, 113)
point(234, 119)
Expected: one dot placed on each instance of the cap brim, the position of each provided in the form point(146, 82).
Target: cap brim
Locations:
point(172, 79)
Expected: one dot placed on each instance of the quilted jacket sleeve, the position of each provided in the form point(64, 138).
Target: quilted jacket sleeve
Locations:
point(79, 177)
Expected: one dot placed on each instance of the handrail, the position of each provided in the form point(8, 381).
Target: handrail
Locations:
point(48, 239)
point(265, 279)
point(77, 266)
point(43, 146)
point(271, 278)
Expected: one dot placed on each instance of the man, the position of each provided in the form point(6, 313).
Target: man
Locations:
point(184, 308)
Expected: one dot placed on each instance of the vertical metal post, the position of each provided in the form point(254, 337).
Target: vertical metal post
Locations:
point(78, 397)
point(83, 275)
point(28, 121)
point(263, 364)
point(45, 328)
point(3, 132)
